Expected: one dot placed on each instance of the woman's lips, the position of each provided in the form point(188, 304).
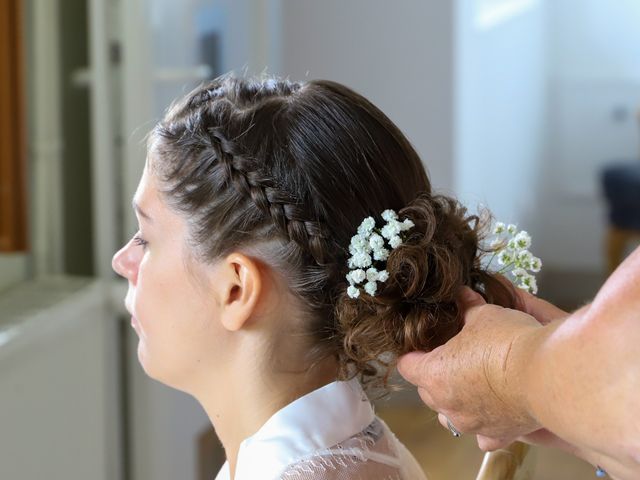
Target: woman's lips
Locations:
point(134, 322)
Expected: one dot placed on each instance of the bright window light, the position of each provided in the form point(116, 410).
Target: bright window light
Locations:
point(490, 13)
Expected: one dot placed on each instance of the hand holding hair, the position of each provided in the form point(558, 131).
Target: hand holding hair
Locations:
point(469, 385)
point(544, 377)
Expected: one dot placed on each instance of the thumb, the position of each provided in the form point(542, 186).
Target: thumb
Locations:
point(541, 310)
point(414, 366)
point(468, 298)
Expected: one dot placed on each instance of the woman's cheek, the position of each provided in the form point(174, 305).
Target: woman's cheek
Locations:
point(144, 313)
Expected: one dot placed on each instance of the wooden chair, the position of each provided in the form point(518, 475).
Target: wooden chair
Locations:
point(459, 458)
point(515, 462)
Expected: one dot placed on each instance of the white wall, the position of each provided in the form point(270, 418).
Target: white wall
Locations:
point(399, 55)
point(594, 87)
point(500, 101)
point(470, 98)
point(594, 39)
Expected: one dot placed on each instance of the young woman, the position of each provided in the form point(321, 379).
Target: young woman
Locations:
point(289, 247)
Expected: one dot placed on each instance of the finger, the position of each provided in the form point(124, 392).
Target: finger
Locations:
point(489, 444)
point(468, 298)
point(426, 398)
point(541, 310)
point(443, 420)
point(414, 367)
point(546, 438)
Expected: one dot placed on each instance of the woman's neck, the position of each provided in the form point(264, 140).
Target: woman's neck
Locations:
point(244, 406)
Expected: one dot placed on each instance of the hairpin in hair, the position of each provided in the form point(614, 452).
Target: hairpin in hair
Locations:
point(368, 247)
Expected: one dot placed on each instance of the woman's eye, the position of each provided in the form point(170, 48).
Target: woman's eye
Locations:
point(138, 240)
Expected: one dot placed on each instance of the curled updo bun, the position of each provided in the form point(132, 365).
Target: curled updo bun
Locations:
point(286, 171)
point(416, 307)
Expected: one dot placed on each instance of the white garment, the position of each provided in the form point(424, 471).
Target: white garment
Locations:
point(331, 433)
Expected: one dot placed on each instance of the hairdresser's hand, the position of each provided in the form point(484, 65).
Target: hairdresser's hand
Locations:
point(469, 380)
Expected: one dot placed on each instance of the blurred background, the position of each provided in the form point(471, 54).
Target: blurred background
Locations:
point(527, 107)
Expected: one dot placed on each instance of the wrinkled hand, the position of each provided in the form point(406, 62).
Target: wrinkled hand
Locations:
point(469, 380)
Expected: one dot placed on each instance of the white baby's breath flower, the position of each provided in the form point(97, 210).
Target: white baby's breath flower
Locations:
point(529, 283)
point(497, 243)
point(523, 240)
point(359, 244)
point(353, 292)
point(512, 252)
point(370, 241)
point(519, 273)
point(406, 225)
point(381, 254)
point(367, 226)
point(390, 229)
point(362, 260)
point(358, 275)
point(523, 259)
point(389, 215)
point(505, 257)
point(536, 264)
point(370, 288)
point(376, 241)
point(372, 274)
point(499, 228)
point(395, 241)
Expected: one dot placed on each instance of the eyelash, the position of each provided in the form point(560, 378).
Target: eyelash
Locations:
point(140, 241)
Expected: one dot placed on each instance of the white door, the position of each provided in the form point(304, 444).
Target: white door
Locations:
point(166, 49)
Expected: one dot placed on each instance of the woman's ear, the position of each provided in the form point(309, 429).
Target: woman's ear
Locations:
point(239, 285)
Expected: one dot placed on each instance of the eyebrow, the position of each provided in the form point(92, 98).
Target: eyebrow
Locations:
point(141, 212)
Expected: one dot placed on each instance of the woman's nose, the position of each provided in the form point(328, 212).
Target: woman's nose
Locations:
point(125, 263)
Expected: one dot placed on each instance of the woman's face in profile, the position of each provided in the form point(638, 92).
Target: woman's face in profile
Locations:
point(173, 314)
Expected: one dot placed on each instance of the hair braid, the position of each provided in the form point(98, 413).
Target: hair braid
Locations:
point(287, 212)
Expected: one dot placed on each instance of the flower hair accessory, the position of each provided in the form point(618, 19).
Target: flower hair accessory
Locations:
point(511, 248)
point(368, 246)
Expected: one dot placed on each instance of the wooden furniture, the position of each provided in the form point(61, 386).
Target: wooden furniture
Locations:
point(13, 232)
point(444, 457)
point(617, 241)
point(515, 462)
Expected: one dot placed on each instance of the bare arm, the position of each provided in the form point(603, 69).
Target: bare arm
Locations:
point(580, 377)
point(505, 376)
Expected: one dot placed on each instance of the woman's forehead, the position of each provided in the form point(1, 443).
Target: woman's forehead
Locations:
point(144, 199)
point(151, 207)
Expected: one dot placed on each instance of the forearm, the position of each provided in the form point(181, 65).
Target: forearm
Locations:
point(580, 378)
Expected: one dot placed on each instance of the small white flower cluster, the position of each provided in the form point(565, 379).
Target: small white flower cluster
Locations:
point(367, 246)
point(514, 255)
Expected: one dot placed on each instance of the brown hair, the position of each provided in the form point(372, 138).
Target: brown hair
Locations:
point(292, 169)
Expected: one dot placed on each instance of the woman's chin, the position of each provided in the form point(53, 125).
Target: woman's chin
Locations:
point(143, 360)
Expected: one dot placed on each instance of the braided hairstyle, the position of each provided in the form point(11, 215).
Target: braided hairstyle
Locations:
point(290, 170)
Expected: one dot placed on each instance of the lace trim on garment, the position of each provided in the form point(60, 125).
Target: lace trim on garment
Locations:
point(340, 457)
